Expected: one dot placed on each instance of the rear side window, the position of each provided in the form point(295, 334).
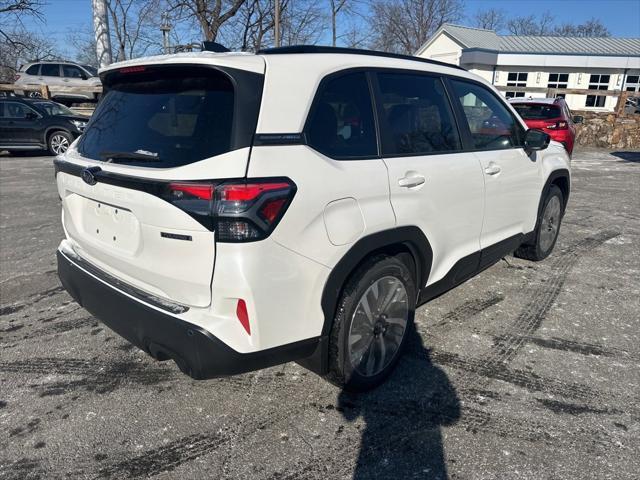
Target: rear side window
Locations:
point(32, 70)
point(537, 111)
point(171, 118)
point(491, 124)
point(71, 71)
point(418, 115)
point(50, 70)
point(341, 122)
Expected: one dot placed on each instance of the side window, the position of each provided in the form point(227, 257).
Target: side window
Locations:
point(33, 69)
point(341, 121)
point(418, 114)
point(491, 124)
point(16, 110)
point(71, 71)
point(50, 70)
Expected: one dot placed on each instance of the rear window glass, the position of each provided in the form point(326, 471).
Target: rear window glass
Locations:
point(537, 111)
point(162, 119)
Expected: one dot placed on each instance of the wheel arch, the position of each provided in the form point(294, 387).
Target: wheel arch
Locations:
point(51, 130)
point(562, 179)
point(401, 240)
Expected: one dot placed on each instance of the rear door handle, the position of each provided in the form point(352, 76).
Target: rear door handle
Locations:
point(492, 169)
point(412, 180)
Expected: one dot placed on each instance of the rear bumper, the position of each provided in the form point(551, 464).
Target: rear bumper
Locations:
point(196, 351)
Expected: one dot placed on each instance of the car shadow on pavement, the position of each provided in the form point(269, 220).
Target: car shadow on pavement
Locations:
point(403, 419)
point(628, 156)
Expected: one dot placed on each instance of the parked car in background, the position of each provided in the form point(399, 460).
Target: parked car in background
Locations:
point(60, 74)
point(632, 105)
point(552, 115)
point(34, 124)
point(215, 211)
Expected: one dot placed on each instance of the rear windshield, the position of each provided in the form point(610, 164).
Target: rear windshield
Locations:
point(162, 118)
point(537, 111)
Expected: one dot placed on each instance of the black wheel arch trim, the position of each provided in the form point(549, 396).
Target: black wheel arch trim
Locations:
point(553, 176)
point(410, 237)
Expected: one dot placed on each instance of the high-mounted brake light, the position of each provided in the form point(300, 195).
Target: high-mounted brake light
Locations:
point(237, 211)
point(131, 69)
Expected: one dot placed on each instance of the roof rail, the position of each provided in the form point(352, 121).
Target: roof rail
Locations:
point(354, 51)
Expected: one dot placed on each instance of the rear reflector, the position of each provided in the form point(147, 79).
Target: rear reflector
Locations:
point(243, 316)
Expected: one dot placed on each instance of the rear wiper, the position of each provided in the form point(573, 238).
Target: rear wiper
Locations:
point(117, 157)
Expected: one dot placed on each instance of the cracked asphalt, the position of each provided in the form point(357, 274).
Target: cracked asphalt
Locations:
point(527, 371)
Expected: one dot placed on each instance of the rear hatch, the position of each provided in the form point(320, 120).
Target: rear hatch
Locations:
point(131, 189)
point(543, 116)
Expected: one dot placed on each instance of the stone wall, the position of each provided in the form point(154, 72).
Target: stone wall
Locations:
point(608, 130)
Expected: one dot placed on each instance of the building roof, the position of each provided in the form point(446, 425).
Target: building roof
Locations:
point(478, 38)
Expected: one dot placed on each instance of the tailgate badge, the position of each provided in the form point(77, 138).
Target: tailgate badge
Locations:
point(88, 175)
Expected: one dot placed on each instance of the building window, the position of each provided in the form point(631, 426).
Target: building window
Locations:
point(558, 80)
point(632, 83)
point(516, 79)
point(597, 82)
point(514, 94)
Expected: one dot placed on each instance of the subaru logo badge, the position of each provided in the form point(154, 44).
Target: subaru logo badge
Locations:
point(88, 175)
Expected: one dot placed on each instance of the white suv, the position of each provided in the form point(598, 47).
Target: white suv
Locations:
point(57, 76)
point(236, 211)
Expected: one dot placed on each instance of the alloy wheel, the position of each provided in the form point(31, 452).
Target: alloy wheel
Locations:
point(378, 326)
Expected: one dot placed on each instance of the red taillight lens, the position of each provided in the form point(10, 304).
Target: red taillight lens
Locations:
point(248, 191)
point(201, 191)
point(560, 125)
point(16, 77)
point(238, 212)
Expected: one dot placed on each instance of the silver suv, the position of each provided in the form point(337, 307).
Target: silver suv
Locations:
point(60, 74)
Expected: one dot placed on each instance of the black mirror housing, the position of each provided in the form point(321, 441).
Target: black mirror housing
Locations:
point(536, 140)
point(31, 116)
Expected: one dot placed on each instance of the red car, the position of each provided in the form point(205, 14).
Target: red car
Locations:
point(551, 115)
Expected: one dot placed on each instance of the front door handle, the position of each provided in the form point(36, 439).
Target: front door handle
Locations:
point(411, 180)
point(492, 169)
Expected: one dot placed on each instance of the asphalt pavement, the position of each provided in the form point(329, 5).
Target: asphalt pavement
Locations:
point(527, 371)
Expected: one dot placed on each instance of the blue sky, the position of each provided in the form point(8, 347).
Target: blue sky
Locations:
point(622, 17)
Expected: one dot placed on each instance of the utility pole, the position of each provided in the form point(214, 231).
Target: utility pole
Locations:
point(165, 27)
point(101, 30)
point(276, 23)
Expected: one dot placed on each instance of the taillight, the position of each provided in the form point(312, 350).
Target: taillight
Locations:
point(16, 77)
point(237, 211)
point(560, 125)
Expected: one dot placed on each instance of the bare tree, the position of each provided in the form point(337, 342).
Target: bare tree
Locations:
point(17, 45)
point(402, 26)
point(210, 15)
point(591, 28)
point(531, 25)
point(135, 26)
point(491, 19)
point(253, 28)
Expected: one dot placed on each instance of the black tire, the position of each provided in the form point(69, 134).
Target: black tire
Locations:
point(55, 143)
point(342, 371)
point(541, 247)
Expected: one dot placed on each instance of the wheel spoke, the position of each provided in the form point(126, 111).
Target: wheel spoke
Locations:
point(378, 326)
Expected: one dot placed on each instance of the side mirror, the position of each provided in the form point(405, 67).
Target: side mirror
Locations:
point(578, 119)
point(30, 116)
point(536, 140)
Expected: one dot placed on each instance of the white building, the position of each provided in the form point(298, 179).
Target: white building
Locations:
point(542, 62)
